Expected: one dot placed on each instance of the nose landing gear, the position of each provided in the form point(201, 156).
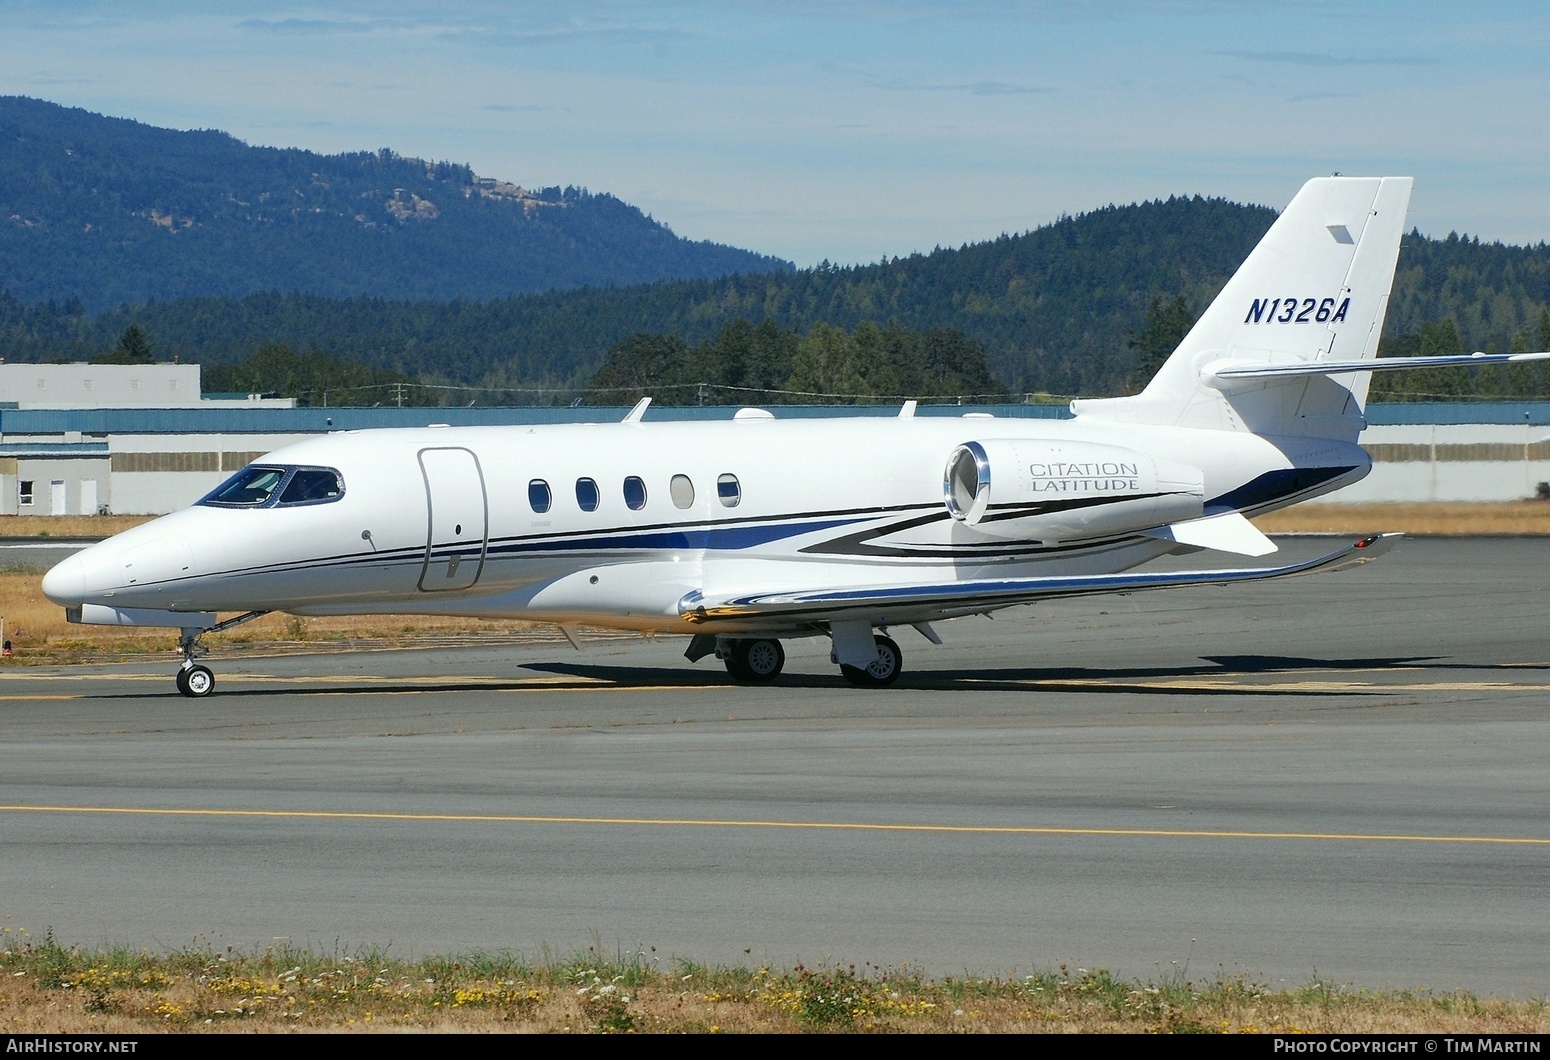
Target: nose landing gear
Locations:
point(194, 680)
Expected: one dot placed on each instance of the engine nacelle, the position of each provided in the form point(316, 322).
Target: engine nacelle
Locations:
point(1033, 490)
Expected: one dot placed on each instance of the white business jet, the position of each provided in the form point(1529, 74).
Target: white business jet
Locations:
point(747, 532)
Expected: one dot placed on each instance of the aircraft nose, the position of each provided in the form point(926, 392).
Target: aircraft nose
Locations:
point(65, 583)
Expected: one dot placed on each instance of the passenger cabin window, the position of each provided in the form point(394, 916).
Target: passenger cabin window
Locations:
point(729, 491)
point(258, 486)
point(538, 495)
point(634, 493)
point(586, 494)
point(682, 491)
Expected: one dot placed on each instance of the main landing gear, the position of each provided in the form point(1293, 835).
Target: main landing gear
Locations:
point(194, 680)
point(881, 671)
point(759, 660)
point(756, 661)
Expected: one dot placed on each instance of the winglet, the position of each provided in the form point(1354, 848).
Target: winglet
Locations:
point(907, 411)
point(635, 414)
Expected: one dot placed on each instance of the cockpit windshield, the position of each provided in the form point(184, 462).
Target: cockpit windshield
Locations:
point(270, 486)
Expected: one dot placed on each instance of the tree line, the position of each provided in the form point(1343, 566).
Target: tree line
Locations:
point(1056, 310)
point(768, 364)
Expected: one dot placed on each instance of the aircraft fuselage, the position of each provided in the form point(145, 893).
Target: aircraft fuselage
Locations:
point(615, 524)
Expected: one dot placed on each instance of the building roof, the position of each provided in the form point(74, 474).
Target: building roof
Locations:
point(320, 420)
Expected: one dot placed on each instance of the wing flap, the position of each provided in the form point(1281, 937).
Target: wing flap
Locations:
point(902, 603)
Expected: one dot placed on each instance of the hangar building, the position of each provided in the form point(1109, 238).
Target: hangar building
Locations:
point(139, 439)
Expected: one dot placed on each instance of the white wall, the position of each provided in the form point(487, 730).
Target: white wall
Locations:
point(103, 386)
point(145, 485)
point(1451, 462)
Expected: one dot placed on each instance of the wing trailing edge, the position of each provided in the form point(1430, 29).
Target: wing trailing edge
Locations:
point(913, 603)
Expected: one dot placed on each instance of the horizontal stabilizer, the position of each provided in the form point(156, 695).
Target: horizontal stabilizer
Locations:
point(1219, 374)
point(914, 603)
point(1227, 532)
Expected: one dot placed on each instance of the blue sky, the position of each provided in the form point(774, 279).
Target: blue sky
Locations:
point(850, 131)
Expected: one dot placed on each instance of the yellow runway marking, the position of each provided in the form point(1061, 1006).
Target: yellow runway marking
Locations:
point(1333, 686)
point(842, 826)
point(394, 685)
point(406, 686)
point(17, 677)
point(1238, 684)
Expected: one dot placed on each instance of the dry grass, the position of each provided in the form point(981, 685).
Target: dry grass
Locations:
point(49, 988)
point(1512, 517)
point(69, 525)
point(40, 635)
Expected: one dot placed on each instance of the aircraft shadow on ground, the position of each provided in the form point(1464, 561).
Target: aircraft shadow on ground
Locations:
point(577, 676)
point(1050, 679)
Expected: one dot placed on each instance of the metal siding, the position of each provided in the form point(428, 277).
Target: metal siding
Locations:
point(319, 421)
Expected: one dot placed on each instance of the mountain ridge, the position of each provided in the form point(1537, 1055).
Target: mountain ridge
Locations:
point(113, 211)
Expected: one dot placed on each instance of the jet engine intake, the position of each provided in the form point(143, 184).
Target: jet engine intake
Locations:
point(1027, 489)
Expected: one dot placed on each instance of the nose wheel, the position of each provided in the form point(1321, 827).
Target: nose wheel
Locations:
point(196, 681)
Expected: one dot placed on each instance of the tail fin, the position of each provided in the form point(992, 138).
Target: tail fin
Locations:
point(1315, 289)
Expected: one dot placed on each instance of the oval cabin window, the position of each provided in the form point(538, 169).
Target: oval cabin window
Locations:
point(682, 490)
point(538, 495)
point(728, 490)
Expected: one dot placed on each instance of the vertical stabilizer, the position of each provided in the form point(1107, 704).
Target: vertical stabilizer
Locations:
point(1315, 288)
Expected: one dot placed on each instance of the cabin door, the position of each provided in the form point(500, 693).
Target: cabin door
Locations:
point(458, 514)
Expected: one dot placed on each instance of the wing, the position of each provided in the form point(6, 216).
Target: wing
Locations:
point(882, 605)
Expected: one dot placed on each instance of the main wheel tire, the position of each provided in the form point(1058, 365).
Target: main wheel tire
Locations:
point(881, 671)
point(736, 663)
point(761, 659)
point(196, 681)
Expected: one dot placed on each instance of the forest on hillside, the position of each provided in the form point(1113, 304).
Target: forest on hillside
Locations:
point(106, 212)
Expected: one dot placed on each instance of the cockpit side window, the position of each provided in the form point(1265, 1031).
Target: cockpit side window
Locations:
point(268, 486)
point(311, 485)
